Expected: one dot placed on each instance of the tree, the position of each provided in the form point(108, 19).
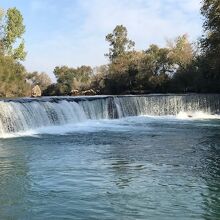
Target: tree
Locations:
point(84, 73)
point(182, 56)
point(12, 73)
point(210, 44)
point(211, 41)
point(40, 79)
point(158, 67)
point(12, 78)
point(13, 31)
point(52, 90)
point(181, 51)
point(1, 31)
point(119, 75)
point(160, 59)
point(119, 42)
point(69, 79)
point(98, 79)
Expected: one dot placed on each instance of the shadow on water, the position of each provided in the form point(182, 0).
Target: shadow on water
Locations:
point(211, 175)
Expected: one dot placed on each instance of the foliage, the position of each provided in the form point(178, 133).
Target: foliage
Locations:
point(1, 31)
point(12, 78)
point(98, 79)
point(152, 70)
point(69, 79)
point(40, 79)
point(181, 51)
point(13, 30)
point(179, 67)
point(119, 42)
point(209, 65)
point(211, 11)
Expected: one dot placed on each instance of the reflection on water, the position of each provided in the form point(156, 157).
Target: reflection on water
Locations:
point(152, 169)
point(122, 177)
point(125, 172)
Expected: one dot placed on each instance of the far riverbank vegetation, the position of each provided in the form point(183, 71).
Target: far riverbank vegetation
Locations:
point(179, 67)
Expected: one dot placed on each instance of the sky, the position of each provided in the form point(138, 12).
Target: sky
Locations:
point(72, 32)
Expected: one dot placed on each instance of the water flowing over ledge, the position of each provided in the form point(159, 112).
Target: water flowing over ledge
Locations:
point(23, 114)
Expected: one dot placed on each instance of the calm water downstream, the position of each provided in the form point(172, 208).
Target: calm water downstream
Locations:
point(162, 167)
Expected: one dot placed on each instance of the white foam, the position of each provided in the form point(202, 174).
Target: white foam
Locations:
point(85, 127)
point(62, 116)
point(114, 125)
point(198, 115)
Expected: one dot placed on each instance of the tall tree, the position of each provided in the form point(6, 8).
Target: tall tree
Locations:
point(1, 31)
point(209, 62)
point(13, 32)
point(181, 51)
point(182, 56)
point(211, 11)
point(119, 42)
point(12, 73)
point(12, 78)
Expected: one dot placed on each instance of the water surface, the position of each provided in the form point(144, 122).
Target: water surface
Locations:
point(132, 168)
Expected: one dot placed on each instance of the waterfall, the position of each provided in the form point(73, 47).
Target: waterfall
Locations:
point(166, 104)
point(23, 114)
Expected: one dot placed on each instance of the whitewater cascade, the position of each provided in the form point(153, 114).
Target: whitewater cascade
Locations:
point(29, 113)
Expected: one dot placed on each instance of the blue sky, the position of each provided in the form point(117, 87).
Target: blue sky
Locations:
point(72, 32)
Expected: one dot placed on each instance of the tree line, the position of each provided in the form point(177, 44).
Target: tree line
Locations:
point(180, 67)
point(15, 81)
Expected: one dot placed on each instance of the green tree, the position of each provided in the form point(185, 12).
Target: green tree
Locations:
point(158, 67)
point(139, 72)
point(69, 79)
point(53, 90)
point(1, 31)
point(12, 78)
point(211, 11)
point(182, 56)
point(98, 78)
point(119, 42)
point(12, 73)
point(181, 51)
point(209, 62)
point(84, 73)
point(121, 74)
point(13, 32)
point(160, 59)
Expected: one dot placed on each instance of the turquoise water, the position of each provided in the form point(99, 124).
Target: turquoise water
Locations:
point(132, 168)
